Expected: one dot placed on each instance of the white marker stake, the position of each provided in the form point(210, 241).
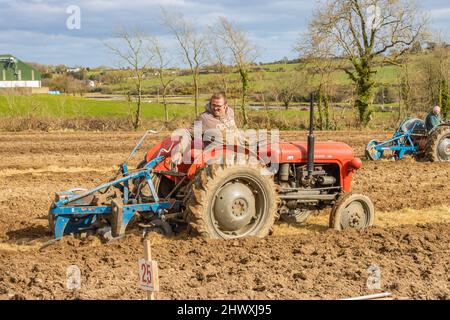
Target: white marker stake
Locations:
point(148, 272)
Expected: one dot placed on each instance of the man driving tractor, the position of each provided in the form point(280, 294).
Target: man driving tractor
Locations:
point(216, 122)
point(433, 118)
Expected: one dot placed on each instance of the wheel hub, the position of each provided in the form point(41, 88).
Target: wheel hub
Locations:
point(234, 206)
point(239, 208)
point(444, 149)
point(354, 216)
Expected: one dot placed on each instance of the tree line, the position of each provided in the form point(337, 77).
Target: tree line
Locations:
point(352, 36)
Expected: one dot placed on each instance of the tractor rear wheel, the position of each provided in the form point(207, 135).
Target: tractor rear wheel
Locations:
point(352, 211)
point(232, 201)
point(438, 145)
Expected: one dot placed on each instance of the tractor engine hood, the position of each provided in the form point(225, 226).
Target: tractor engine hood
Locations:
point(297, 152)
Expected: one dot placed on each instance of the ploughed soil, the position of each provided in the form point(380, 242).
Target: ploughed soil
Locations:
point(410, 242)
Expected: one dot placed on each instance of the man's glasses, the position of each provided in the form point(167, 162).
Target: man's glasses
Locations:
point(218, 106)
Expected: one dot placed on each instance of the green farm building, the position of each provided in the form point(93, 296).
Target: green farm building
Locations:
point(16, 74)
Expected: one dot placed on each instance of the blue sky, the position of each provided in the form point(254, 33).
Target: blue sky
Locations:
point(35, 30)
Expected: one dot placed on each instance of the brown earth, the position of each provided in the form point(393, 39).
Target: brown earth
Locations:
point(296, 262)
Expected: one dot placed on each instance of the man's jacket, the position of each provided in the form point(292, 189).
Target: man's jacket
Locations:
point(432, 121)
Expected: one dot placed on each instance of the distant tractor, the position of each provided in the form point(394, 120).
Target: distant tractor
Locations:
point(412, 138)
point(230, 199)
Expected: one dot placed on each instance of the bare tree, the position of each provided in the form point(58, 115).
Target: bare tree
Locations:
point(288, 86)
point(112, 76)
point(319, 67)
point(360, 31)
point(242, 51)
point(220, 59)
point(436, 75)
point(162, 64)
point(406, 88)
point(76, 86)
point(133, 52)
point(192, 44)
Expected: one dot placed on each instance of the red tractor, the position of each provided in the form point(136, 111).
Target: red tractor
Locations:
point(227, 192)
point(245, 198)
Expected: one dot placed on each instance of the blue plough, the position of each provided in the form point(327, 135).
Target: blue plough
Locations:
point(407, 139)
point(78, 210)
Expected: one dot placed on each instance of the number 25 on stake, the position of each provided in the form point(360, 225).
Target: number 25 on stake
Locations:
point(147, 274)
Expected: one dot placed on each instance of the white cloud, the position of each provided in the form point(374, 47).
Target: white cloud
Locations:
point(36, 30)
point(443, 13)
point(52, 49)
point(102, 5)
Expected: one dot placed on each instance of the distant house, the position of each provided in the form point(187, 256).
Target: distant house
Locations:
point(16, 74)
point(73, 70)
point(207, 71)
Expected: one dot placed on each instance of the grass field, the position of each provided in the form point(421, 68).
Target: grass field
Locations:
point(71, 107)
point(260, 80)
point(264, 76)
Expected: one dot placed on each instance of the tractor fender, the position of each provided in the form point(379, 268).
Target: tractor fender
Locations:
point(164, 145)
point(198, 157)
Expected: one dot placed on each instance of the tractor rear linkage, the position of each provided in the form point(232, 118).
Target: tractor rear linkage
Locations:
point(72, 214)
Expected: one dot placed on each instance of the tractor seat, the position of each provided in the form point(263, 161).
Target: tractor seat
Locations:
point(417, 124)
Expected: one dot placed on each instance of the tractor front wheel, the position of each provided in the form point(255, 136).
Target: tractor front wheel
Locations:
point(232, 201)
point(352, 211)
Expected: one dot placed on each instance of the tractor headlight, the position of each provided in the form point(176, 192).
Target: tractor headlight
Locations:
point(356, 163)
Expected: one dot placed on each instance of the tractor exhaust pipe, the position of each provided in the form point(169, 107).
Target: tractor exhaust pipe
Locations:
point(311, 138)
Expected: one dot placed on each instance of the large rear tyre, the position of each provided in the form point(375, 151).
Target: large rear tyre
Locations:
point(438, 145)
point(232, 201)
point(352, 211)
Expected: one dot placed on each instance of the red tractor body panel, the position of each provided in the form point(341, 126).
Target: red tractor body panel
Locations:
point(297, 152)
point(325, 152)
